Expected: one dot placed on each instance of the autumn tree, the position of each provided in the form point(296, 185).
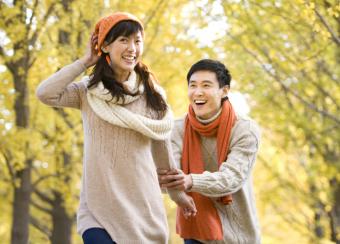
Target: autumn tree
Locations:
point(41, 146)
point(285, 55)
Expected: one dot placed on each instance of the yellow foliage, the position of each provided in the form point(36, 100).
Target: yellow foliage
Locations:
point(287, 36)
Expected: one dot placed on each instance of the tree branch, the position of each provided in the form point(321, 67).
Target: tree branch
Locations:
point(42, 178)
point(2, 51)
point(335, 38)
point(43, 196)
point(10, 168)
point(285, 87)
point(41, 208)
point(61, 112)
point(38, 225)
point(35, 35)
point(29, 25)
point(153, 13)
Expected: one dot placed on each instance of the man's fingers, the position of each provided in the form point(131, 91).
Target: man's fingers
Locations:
point(174, 172)
point(170, 178)
point(162, 171)
point(179, 184)
point(168, 171)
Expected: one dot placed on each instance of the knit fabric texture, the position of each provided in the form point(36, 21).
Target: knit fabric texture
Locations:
point(206, 225)
point(111, 111)
point(239, 219)
point(120, 190)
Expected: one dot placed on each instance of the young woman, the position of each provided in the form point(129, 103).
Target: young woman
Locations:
point(127, 125)
point(216, 150)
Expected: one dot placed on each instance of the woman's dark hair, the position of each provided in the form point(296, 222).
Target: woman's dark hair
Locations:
point(222, 73)
point(103, 72)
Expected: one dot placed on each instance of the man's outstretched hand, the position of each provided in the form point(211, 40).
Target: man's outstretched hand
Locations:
point(174, 179)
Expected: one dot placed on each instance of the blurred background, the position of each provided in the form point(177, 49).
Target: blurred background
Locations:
point(284, 58)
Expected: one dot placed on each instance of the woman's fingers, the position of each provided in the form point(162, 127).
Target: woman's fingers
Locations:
point(193, 206)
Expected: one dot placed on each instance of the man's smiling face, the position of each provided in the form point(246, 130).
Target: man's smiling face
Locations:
point(204, 93)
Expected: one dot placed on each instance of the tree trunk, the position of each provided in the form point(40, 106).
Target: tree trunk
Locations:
point(334, 214)
point(22, 193)
point(62, 223)
point(318, 212)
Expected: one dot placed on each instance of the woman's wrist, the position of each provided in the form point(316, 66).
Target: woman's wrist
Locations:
point(85, 61)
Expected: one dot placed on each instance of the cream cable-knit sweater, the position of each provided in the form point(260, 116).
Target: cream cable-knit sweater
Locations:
point(120, 190)
point(239, 219)
point(111, 111)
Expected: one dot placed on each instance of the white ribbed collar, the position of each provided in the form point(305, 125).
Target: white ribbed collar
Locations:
point(207, 121)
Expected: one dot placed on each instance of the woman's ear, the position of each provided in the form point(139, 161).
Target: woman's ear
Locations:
point(104, 50)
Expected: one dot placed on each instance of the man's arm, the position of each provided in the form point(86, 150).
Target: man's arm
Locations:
point(231, 175)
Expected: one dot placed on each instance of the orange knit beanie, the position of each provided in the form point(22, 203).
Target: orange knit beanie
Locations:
point(105, 24)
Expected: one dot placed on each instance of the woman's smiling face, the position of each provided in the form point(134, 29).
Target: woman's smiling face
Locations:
point(125, 52)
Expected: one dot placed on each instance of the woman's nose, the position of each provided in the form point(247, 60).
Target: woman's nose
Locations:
point(132, 46)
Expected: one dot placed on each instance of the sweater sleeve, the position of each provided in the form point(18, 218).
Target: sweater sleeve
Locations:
point(177, 141)
point(163, 158)
point(59, 90)
point(235, 171)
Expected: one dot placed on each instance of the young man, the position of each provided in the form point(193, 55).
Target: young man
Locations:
point(216, 150)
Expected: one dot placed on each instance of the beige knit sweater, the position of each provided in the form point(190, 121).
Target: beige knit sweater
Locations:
point(120, 190)
point(239, 219)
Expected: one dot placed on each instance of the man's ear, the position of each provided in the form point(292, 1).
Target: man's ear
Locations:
point(225, 91)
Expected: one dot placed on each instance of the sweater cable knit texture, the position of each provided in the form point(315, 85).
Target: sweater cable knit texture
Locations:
point(120, 190)
point(111, 111)
point(239, 219)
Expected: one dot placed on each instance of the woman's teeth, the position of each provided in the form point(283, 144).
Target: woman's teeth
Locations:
point(129, 58)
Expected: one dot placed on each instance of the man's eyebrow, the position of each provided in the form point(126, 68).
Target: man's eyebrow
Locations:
point(203, 81)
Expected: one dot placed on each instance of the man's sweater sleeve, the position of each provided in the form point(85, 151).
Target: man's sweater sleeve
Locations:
point(59, 90)
point(235, 171)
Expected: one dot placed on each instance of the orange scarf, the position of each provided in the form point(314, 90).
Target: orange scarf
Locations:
point(206, 225)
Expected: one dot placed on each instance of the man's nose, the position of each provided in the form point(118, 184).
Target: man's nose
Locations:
point(198, 91)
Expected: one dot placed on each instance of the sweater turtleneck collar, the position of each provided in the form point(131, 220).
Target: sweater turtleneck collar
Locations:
point(207, 121)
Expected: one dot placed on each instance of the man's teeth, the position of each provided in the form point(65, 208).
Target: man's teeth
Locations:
point(200, 102)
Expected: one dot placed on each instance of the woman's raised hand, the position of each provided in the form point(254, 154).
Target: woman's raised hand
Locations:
point(91, 56)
